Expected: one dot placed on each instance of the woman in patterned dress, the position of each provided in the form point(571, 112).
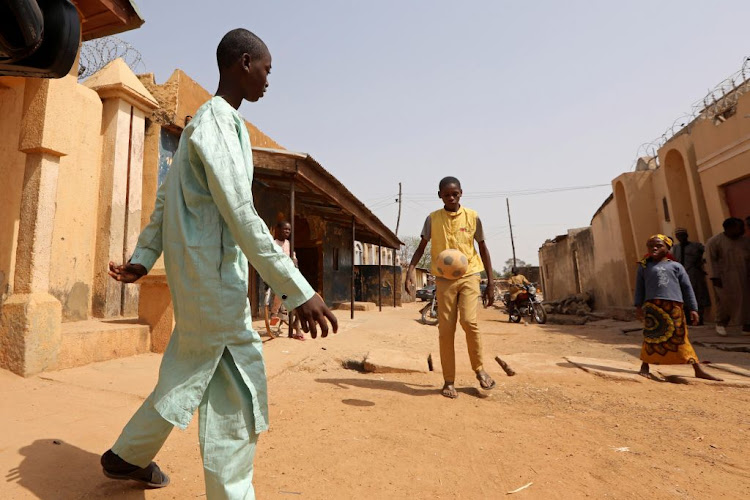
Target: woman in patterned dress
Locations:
point(662, 294)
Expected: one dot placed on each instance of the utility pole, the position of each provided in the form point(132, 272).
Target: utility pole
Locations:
point(510, 224)
point(398, 219)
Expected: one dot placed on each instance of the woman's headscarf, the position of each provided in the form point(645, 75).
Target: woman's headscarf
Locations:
point(667, 241)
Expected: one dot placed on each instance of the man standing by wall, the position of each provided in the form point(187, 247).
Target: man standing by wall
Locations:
point(690, 255)
point(728, 257)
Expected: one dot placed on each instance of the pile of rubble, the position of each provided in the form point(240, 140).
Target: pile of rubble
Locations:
point(579, 304)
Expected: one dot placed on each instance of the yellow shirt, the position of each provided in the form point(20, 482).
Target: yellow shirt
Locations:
point(516, 285)
point(455, 230)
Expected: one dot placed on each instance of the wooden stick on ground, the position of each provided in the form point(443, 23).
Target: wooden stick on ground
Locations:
point(507, 369)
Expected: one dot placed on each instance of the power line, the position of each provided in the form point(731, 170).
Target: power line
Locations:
point(521, 192)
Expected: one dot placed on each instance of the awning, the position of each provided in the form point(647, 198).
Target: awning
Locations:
point(317, 189)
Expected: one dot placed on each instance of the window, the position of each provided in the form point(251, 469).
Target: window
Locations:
point(358, 254)
point(666, 209)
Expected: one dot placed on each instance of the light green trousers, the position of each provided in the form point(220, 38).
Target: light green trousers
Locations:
point(226, 434)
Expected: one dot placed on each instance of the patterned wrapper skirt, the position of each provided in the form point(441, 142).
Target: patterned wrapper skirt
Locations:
point(665, 334)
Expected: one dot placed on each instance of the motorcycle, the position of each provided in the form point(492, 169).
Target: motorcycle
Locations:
point(429, 311)
point(526, 304)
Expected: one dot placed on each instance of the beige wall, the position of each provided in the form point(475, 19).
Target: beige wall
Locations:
point(68, 121)
point(610, 286)
point(75, 230)
point(556, 266)
point(722, 155)
point(12, 163)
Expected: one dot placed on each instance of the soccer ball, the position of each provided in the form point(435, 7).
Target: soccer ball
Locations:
point(451, 264)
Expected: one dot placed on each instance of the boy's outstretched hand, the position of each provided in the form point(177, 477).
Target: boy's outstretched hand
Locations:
point(316, 311)
point(127, 273)
point(489, 294)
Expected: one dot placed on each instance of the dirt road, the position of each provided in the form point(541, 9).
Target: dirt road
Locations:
point(338, 433)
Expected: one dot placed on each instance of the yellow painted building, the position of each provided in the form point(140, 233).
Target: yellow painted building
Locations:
point(698, 178)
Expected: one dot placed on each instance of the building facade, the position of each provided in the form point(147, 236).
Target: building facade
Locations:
point(697, 179)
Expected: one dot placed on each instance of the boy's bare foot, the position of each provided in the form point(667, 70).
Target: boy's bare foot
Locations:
point(701, 373)
point(646, 373)
point(485, 381)
point(449, 391)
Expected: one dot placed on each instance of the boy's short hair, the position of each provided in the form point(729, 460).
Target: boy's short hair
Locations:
point(237, 42)
point(283, 223)
point(448, 180)
point(733, 222)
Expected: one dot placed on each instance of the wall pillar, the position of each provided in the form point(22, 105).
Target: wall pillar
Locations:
point(124, 105)
point(30, 338)
point(156, 309)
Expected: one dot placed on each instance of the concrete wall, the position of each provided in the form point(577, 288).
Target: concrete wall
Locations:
point(567, 264)
point(366, 284)
point(337, 278)
point(12, 163)
point(610, 286)
point(556, 264)
point(75, 231)
point(694, 168)
point(70, 118)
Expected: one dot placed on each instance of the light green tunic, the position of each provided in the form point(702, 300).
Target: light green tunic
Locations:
point(207, 226)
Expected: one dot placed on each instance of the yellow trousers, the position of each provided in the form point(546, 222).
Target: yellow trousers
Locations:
point(457, 300)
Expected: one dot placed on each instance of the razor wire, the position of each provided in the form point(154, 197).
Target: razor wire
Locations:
point(95, 54)
point(719, 100)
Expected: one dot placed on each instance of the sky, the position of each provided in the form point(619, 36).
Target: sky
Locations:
point(506, 96)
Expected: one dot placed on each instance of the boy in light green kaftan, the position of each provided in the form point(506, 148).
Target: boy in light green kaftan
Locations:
point(207, 227)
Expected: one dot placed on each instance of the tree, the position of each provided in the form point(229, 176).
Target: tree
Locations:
point(410, 246)
point(509, 265)
point(495, 274)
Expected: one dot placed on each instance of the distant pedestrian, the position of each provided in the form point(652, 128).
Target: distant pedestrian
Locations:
point(282, 234)
point(690, 255)
point(662, 295)
point(729, 262)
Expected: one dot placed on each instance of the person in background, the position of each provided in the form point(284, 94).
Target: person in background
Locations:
point(729, 263)
point(516, 284)
point(662, 296)
point(283, 233)
point(690, 255)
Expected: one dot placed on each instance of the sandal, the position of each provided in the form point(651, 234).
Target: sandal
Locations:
point(485, 381)
point(115, 467)
point(449, 391)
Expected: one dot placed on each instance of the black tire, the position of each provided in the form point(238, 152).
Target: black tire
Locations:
point(514, 316)
point(538, 313)
point(427, 318)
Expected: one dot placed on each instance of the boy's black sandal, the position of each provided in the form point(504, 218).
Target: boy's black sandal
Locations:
point(115, 467)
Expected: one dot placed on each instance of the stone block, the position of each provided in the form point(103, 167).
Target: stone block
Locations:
point(155, 308)
point(392, 361)
point(84, 342)
point(30, 334)
point(358, 306)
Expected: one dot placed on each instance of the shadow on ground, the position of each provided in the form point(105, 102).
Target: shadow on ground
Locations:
point(396, 386)
point(55, 470)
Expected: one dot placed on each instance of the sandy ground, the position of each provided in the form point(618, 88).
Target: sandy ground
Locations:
point(338, 433)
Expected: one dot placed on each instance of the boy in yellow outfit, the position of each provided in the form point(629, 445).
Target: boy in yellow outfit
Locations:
point(457, 227)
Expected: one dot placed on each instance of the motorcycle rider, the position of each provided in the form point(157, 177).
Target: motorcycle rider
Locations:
point(516, 282)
